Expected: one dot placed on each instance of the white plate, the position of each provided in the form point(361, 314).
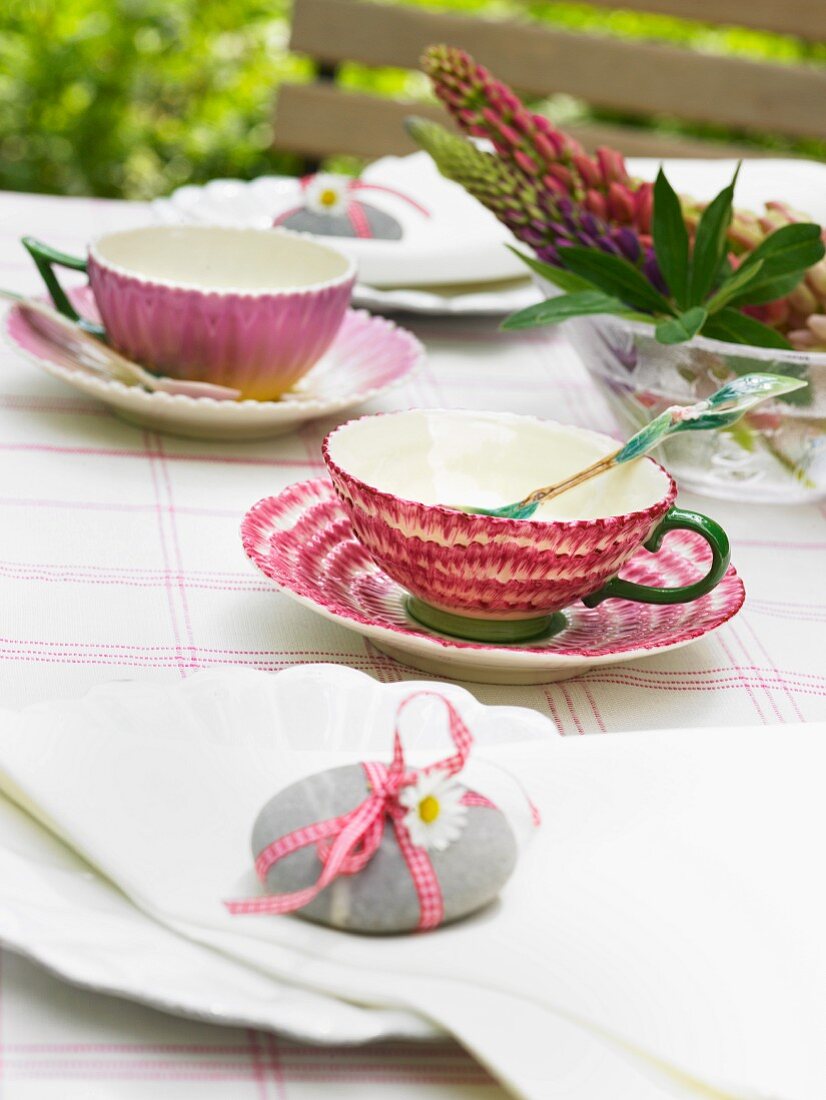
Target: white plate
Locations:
point(369, 356)
point(58, 911)
point(462, 300)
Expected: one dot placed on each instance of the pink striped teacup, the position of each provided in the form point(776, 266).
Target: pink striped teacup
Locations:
point(253, 309)
point(503, 580)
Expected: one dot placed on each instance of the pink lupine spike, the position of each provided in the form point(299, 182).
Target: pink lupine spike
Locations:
point(525, 163)
point(643, 206)
point(547, 148)
point(555, 185)
point(620, 204)
point(562, 175)
point(588, 171)
point(611, 165)
point(595, 203)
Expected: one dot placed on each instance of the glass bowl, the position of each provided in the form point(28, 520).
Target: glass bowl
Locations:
point(775, 454)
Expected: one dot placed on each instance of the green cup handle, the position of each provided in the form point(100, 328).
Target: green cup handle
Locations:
point(675, 519)
point(46, 258)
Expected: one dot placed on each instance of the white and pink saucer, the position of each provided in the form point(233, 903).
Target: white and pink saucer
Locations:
point(303, 541)
point(368, 356)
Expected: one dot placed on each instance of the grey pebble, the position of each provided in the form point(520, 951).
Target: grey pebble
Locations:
point(381, 898)
point(383, 226)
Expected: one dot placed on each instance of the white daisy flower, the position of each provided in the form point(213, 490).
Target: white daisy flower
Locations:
point(326, 193)
point(435, 815)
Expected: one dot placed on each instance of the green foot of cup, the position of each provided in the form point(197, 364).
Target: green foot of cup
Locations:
point(493, 631)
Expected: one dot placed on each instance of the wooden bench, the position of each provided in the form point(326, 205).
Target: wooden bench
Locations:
point(645, 79)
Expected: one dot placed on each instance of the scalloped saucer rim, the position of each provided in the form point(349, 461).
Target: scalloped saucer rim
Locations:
point(205, 418)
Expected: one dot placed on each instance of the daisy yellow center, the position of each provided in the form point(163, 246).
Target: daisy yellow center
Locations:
point(328, 197)
point(429, 809)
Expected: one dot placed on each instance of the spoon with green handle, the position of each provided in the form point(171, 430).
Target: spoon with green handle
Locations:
point(90, 354)
point(719, 410)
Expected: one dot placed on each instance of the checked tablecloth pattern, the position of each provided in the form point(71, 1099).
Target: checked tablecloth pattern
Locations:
point(120, 558)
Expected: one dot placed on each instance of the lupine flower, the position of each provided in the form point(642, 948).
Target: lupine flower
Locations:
point(542, 217)
point(529, 143)
point(549, 192)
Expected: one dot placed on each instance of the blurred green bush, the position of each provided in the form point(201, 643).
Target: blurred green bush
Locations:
point(135, 97)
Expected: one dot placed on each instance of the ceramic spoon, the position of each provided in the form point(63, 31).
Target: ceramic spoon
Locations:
point(91, 355)
point(718, 411)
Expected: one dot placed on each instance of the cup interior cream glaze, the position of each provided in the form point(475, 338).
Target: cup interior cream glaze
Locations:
point(250, 308)
point(495, 579)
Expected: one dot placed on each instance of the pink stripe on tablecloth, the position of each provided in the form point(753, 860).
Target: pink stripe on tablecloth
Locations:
point(113, 506)
point(308, 1075)
point(123, 578)
point(619, 678)
point(569, 703)
point(256, 1058)
point(548, 693)
point(735, 635)
point(593, 703)
point(160, 517)
point(2, 1020)
point(776, 544)
point(176, 550)
point(119, 452)
point(277, 1066)
point(797, 612)
point(71, 406)
point(790, 697)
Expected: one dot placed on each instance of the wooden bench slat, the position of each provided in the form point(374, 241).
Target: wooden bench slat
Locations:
point(802, 18)
point(320, 120)
point(620, 74)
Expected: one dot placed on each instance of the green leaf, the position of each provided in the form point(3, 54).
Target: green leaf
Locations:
point(790, 248)
point(559, 276)
point(767, 288)
point(616, 277)
point(737, 328)
point(670, 238)
point(750, 389)
point(732, 285)
point(676, 330)
point(554, 310)
point(785, 256)
point(710, 244)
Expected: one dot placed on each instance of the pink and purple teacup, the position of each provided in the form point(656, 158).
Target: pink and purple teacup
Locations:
point(503, 580)
point(253, 309)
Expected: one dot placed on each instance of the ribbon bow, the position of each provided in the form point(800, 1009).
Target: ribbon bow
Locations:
point(346, 844)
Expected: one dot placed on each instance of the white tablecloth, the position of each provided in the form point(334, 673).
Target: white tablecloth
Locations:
point(120, 559)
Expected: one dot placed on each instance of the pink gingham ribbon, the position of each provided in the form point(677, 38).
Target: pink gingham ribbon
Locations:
point(346, 844)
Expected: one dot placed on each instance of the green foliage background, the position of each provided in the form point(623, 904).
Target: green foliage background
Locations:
point(135, 97)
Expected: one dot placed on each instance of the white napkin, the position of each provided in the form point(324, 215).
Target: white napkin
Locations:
point(671, 905)
point(460, 242)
